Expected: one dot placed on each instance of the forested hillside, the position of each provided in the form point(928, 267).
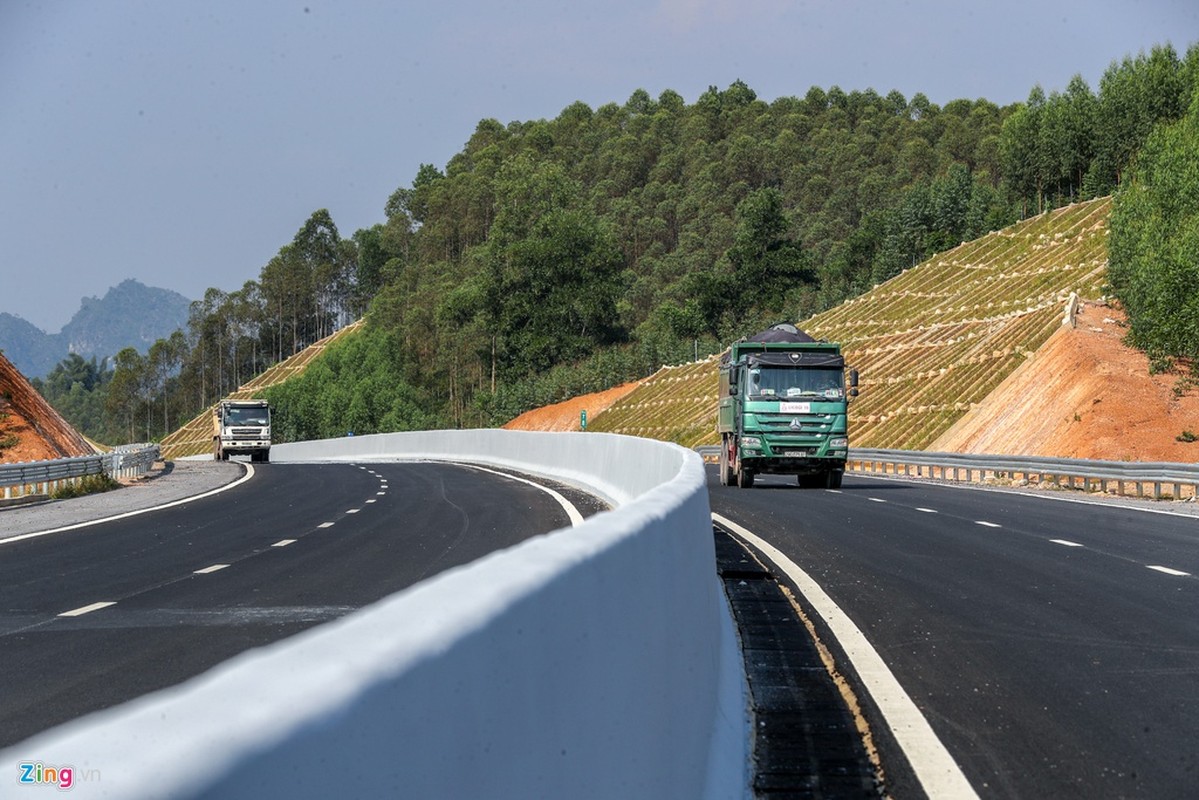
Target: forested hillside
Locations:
point(555, 256)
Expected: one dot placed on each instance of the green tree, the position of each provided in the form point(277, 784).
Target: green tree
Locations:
point(127, 392)
point(1154, 245)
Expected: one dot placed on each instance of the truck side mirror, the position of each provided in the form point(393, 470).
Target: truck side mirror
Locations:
point(853, 383)
point(732, 389)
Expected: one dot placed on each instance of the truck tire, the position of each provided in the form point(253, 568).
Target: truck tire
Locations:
point(833, 479)
point(745, 477)
point(727, 476)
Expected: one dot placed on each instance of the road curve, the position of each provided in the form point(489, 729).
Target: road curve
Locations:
point(1052, 646)
point(99, 615)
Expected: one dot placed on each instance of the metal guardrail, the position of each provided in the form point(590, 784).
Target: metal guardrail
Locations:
point(43, 477)
point(1117, 476)
point(1183, 479)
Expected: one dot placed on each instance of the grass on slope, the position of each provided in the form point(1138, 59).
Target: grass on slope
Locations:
point(195, 438)
point(928, 343)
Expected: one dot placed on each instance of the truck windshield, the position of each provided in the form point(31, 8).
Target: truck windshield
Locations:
point(789, 382)
point(259, 417)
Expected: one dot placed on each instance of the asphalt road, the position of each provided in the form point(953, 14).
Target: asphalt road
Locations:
point(1053, 646)
point(193, 585)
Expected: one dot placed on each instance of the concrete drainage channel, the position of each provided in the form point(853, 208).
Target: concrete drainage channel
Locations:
point(806, 742)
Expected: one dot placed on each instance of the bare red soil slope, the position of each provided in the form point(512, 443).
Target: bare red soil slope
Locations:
point(564, 416)
point(1084, 394)
point(39, 431)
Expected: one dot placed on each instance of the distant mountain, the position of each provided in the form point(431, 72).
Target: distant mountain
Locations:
point(131, 314)
point(28, 347)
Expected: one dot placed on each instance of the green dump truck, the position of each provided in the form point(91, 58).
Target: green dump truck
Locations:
point(782, 409)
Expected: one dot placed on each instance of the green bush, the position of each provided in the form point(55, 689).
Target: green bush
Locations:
point(90, 484)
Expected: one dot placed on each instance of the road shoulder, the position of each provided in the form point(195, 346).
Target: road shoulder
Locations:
point(175, 481)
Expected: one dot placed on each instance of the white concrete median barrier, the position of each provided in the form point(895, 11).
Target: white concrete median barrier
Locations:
point(595, 662)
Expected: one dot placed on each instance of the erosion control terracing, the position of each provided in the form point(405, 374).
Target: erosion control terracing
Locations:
point(929, 344)
point(195, 438)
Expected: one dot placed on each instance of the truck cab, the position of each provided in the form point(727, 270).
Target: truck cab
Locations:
point(241, 427)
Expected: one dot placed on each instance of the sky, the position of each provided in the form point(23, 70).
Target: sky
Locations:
point(182, 144)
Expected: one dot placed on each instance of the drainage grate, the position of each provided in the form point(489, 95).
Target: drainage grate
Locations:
point(806, 744)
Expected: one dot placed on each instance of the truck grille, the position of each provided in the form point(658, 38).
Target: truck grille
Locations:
point(814, 425)
point(246, 431)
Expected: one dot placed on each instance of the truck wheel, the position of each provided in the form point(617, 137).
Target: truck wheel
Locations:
point(833, 481)
point(745, 478)
point(727, 478)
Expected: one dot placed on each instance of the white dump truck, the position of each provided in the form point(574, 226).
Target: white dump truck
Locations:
point(241, 427)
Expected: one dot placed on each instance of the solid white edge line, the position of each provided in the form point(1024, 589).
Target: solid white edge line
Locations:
point(78, 612)
point(1066, 543)
point(1177, 573)
point(576, 518)
point(249, 474)
point(210, 570)
point(935, 768)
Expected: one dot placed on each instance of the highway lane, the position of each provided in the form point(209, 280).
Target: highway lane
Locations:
point(1052, 646)
point(193, 585)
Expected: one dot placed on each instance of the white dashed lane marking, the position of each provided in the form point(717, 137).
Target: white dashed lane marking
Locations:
point(986, 524)
point(209, 570)
point(876, 500)
point(325, 525)
point(1065, 543)
point(928, 510)
point(78, 612)
point(1177, 573)
point(283, 542)
point(353, 510)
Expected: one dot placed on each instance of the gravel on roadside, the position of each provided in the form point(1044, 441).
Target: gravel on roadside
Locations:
point(166, 483)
